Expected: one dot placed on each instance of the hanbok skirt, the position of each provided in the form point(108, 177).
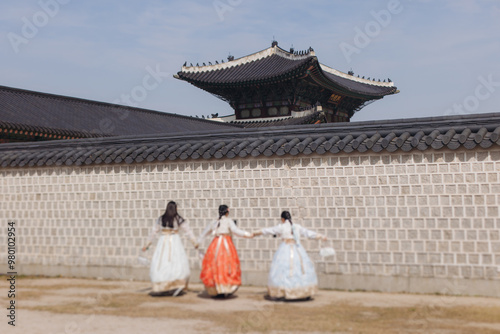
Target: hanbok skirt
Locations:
point(292, 274)
point(221, 272)
point(169, 265)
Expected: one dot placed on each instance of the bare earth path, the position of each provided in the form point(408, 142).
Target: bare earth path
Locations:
point(64, 305)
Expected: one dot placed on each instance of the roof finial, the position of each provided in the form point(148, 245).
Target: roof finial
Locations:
point(274, 43)
point(351, 72)
point(230, 58)
point(292, 49)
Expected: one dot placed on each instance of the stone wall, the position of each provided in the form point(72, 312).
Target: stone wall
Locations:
point(416, 222)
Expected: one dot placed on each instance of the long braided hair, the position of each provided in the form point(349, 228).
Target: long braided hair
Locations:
point(287, 216)
point(167, 219)
point(223, 210)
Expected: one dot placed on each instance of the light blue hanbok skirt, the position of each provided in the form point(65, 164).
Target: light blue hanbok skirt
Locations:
point(169, 266)
point(292, 274)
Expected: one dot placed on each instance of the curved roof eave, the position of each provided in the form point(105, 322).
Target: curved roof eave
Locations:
point(274, 63)
point(350, 85)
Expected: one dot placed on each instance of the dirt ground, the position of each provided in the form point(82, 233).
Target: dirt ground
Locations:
point(64, 305)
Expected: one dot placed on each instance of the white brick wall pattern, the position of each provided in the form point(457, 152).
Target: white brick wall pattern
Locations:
point(419, 221)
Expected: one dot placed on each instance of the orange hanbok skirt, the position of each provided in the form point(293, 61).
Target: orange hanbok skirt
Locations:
point(221, 272)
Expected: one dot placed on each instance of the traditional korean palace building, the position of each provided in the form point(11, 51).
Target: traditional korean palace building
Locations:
point(409, 205)
point(274, 85)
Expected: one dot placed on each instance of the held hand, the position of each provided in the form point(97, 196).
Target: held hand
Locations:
point(145, 248)
point(257, 233)
point(321, 237)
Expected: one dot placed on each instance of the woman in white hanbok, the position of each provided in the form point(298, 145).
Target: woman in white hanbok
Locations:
point(292, 274)
point(169, 271)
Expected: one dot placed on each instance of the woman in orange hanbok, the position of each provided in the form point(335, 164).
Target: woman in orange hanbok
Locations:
point(220, 272)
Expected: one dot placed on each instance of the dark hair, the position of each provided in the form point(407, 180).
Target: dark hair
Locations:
point(223, 210)
point(287, 216)
point(167, 220)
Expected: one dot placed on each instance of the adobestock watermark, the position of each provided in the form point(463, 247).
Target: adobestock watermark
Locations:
point(139, 93)
point(256, 320)
point(150, 81)
point(483, 91)
point(153, 78)
point(223, 6)
point(373, 28)
point(31, 25)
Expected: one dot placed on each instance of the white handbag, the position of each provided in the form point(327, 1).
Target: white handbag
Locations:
point(326, 251)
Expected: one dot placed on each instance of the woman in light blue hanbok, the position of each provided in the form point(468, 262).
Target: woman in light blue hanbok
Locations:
point(169, 271)
point(292, 274)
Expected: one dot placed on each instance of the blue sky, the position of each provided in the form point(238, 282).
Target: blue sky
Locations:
point(443, 55)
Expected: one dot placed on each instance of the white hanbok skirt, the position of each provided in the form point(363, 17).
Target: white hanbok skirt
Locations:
point(292, 274)
point(169, 265)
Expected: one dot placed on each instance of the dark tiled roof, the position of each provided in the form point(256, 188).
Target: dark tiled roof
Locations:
point(41, 131)
point(274, 64)
point(406, 135)
point(269, 122)
point(359, 87)
point(264, 68)
point(40, 112)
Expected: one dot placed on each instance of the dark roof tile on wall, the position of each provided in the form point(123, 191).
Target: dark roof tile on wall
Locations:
point(451, 132)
